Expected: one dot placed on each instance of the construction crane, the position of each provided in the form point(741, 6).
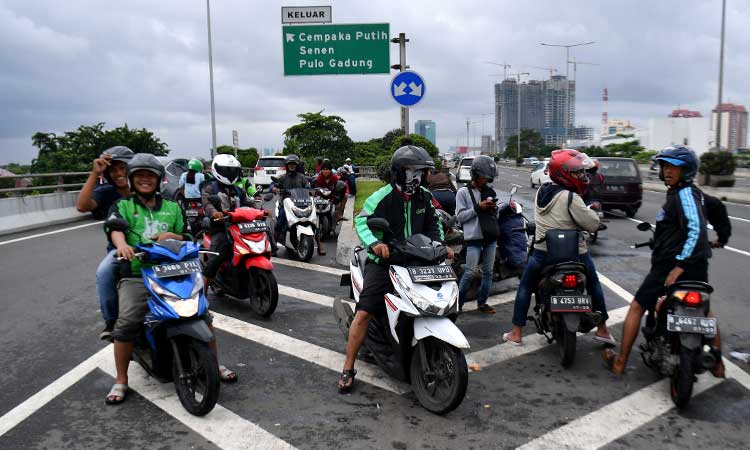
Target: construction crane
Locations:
point(552, 70)
point(503, 65)
point(576, 63)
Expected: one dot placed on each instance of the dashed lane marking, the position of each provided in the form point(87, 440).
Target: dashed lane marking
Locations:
point(62, 230)
point(311, 297)
point(304, 265)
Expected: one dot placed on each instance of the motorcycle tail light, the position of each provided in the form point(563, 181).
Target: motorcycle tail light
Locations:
point(570, 280)
point(692, 298)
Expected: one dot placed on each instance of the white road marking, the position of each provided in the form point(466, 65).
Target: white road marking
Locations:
point(493, 300)
point(304, 265)
point(311, 297)
point(57, 387)
point(307, 352)
point(740, 219)
point(222, 427)
point(33, 236)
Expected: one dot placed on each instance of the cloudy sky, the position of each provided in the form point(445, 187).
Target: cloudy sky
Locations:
point(145, 63)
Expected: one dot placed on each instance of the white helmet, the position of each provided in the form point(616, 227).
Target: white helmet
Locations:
point(226, 169)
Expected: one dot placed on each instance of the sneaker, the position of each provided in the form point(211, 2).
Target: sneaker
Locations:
point(106, 334)
point(487, 309)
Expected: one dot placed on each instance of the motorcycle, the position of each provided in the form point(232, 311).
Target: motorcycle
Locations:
point(416, 341)
point(249, 273)
point(562, 307)
point(194, 216)
point(174, 341)
point(301, 222)
point(679, 333)
point(325, 207)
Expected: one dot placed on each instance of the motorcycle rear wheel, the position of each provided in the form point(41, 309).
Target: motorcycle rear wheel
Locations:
point(681, 382)
point(266, 292)
point(441, 386)
point(567, 344)
point(198, 391)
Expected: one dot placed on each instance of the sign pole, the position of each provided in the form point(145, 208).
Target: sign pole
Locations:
point(401, 41)
point(211, 78)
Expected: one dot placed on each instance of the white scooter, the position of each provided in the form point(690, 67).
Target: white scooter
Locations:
point(301, 222)
point(417, 341)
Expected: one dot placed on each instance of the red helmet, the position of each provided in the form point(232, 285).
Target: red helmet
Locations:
point(567, 168)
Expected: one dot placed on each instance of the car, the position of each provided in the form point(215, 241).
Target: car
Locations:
point(173, 169)
point(463, 171)
point(532, 161)
point(267, 167)
point(622, 187)
point(539, 174)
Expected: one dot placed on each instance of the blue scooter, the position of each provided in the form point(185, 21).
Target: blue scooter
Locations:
point(174, 343)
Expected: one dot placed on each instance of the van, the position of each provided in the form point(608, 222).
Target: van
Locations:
point(622, 187)
point(267, 167)
point(463, 172)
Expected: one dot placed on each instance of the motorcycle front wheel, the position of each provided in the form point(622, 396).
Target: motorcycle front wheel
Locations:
point(198, 387)
point(681, 382)
point(305, 247)
point(264, 292)
point(439, 375)
point(325, 227)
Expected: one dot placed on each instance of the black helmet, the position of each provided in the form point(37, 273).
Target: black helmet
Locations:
point(410, 155)
point(291, 159)
point(483, 166)
point(679, 155)
point(119, 153)
point(145, 161)
point(326, 165)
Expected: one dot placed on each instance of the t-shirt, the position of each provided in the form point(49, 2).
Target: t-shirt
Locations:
point(104, 196)
point(192, 190)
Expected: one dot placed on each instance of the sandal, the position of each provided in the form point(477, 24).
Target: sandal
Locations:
point(116, 394)
point(606, 340)
point(345, 385)
point(226, 375)
point(506, 338)
point(611, 360)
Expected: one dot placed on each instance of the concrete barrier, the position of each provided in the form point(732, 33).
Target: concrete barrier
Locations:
point(37, 211)
point(347, 238)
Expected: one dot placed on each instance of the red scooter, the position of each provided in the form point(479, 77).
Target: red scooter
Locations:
point(249, 273)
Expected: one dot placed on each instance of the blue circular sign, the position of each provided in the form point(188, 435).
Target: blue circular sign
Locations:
point(407, 88)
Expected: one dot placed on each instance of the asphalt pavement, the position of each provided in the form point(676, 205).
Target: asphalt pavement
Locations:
point(56, 373)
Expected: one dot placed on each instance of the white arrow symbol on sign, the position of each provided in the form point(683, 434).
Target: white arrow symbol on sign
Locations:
point(416, 90)
point(290, 37)
point(398, 90)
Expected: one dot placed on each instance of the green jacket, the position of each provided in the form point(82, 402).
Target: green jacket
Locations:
point(144, 223)
point(245, 184)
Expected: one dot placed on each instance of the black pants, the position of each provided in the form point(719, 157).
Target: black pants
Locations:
point(376, 284)
point(219, 244)
point(653, 285)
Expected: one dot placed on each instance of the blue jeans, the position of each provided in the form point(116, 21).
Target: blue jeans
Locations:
point(530, 280)
point(106, 286)
point(473, 254)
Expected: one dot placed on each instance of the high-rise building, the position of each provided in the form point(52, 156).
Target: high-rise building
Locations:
point(488, 144)
point(618, 126)
point(426, 128)
point(685, 113)
point(733, 126)
point(543, 108)
point(583, 133)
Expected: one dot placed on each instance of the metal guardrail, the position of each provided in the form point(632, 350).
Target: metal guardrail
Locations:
point(59, 187)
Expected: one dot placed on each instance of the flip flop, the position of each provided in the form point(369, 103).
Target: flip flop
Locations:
point(506, 338)
point(607, 340)
point(226, 375)
point(118, 390)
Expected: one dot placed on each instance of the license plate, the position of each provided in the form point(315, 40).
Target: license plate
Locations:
point(191, 213)
point(570, 303)
point(176, 269)
point(270, 172)
point(321, 201)
point(687, 324)
point(257, 226)
point(615, 187)
point(429, 274)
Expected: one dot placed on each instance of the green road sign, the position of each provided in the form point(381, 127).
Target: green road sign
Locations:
point(336, 49)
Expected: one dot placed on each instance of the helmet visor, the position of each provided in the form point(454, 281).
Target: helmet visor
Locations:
point(230, 173)
point(579, 162)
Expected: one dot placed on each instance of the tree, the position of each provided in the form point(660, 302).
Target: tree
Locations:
point(74, 150)
point(247, 156)
point(387, 140)
point(319, 135)
point(532, 144)
point(624, 150)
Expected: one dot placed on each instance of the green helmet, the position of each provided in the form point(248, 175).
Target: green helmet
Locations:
point(195, 165)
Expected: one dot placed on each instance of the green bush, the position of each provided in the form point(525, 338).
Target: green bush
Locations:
point(717, 163)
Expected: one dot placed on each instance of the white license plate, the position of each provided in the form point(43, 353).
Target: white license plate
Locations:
point(191, 213)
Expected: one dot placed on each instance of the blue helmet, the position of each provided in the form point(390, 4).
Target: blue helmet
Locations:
point(681, 156)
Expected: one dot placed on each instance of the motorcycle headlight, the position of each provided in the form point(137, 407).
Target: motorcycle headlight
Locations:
point(256, 246)
point(184, 307)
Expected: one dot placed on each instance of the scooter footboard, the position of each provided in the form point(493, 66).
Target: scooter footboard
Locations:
point(441, 328)
point(197, 329)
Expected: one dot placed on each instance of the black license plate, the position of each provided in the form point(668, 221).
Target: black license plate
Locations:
point(570, 303)
point(615, 187)
point(430, 274)
point(191, 213)
point(257, 226)
point(176, 269)
point(270, 172)
point(687, 324)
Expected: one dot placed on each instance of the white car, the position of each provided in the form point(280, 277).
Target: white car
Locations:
point(463, 172)
point(267, 167)
point(539, 174)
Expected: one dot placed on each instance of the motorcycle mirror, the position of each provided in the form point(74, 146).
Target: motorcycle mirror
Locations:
point(644, 226)
point(513, 190)
point(378, 223)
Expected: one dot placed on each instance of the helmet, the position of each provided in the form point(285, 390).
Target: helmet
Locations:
point(348, 160)
point(195, 165)
point(145, 161)
point(119, 153)
point(326, 165)
point(413, 157)
point(291, 159)
point(483, 166)
point(226, 169)
point(679, 155)
point(563, 163)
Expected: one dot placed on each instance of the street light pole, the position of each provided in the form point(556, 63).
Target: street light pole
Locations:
point(566, 112)
point(211, 79)
point(721, 76)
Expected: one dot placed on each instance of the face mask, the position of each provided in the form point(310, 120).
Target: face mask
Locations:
point(412, 179)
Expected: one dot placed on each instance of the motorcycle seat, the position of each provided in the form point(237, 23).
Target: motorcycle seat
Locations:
point(568, 266)
point(690, 285)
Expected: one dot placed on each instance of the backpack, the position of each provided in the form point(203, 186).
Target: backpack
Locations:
point(716, 214)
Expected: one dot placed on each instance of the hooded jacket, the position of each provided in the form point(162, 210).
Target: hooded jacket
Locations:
point(552, 213)
point(680, 237)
